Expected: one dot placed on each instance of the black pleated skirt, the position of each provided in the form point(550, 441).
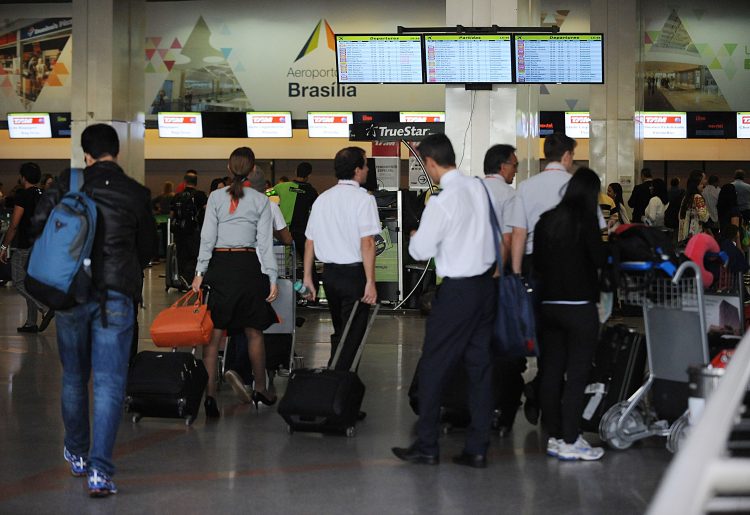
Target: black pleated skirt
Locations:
point(238, 292)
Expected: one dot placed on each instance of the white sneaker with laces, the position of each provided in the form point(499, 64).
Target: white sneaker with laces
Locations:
point(553, 446)
point(580, 450)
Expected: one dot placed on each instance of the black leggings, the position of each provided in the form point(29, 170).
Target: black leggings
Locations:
point(567, 337)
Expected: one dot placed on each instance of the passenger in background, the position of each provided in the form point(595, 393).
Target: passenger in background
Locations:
point(711, 195)
point(296, 198)
point(727, 208)
point(162, 203)
point(181, 187)
point(188, 209)
point(218, 184)
point(654, 214)
point(641, 195)
point(257, 180)
point(614, 191)
point(18, 237)
point(236, 256)
point(693, 212)
point(47, 180)
point(500, 168)
point(568, 253)
point(743, 194)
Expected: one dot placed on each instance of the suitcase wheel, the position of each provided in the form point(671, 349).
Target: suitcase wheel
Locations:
point(136, 417)
point(351, 432)
point(289, 429)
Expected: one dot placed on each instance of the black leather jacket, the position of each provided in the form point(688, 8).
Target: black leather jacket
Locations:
point(125, 229)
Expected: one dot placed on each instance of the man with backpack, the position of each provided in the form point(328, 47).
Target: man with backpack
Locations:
point(188, 208)
point(94, 336)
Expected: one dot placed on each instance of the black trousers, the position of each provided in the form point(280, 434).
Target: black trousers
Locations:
point(568, 334)
point(187, 244)
point(344, 285)
point(459, 327)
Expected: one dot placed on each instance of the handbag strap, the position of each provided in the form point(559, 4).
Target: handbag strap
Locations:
point(496, 232)
point(185, 299)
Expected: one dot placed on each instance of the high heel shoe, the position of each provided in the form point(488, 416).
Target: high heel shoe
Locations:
point(259, 398)
point(212, 411)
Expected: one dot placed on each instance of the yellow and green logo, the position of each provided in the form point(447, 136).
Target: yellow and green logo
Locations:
point(316, 38)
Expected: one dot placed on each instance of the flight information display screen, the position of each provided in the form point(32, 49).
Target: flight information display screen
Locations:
point(29, 125)
point(180, 125)
point(468, 59)
point(559, 58)
point(379, 59)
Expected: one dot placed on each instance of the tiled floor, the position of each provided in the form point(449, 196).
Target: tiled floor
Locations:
point(247, 463)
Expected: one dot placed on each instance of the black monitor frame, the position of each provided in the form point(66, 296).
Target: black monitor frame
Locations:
point(368, 35)
point(517, 35)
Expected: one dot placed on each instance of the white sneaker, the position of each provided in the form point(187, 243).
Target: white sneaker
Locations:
point(553, 446)
point(580, 450)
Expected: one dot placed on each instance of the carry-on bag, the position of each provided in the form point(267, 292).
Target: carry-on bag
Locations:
point(324, 399)
point(618, 371)
point(186, 323)
point(165, 384)
point(172, 278)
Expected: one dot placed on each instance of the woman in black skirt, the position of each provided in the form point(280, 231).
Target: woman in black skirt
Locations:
point(236, 258)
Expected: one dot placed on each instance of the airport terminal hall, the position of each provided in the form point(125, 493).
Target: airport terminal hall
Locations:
point(334, 257)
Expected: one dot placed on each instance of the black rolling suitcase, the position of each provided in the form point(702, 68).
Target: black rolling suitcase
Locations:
point(165, 384)
point(325, 400)
point(618, 371)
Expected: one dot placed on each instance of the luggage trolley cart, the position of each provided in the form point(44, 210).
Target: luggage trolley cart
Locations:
point(280, 338)
point(675, 326)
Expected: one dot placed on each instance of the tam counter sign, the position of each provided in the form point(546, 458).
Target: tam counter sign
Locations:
point(269, 124)
point(666, 125)
point(743, 125)
point(328, 124)
point(29, 125)
point(180, 125)
point(577, 124)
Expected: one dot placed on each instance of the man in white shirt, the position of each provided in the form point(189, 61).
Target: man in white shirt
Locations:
point(340, 231)
point(537, 195)
point(711, 194)
point(500, 167)
point(455, 230)
point(743, 194)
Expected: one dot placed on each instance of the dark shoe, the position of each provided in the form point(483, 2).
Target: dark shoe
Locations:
point(28, 329)
point(504, 431)
point(259, 398)
point(412, 455)
point(477, 461)
point(531, 406)
point(46, 319)
point(212, 411)
point(361, 415)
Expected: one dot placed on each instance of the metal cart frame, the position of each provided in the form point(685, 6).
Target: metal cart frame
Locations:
point(675, 324)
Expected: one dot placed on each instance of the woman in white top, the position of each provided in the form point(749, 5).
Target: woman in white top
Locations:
point(236, 256)
point(654, 214)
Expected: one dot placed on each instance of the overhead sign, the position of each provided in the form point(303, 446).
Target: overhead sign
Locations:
point(269, 124)
point(48, 26)
point(394, 131)
point(29, 125)
point(328, 124)
point(577, 124)
point(180, 125)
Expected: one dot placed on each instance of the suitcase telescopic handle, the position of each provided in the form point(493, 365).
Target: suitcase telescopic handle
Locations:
point(357, 356)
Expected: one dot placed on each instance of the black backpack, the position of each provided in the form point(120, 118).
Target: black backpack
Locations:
point(640, 243)
point(186, 212)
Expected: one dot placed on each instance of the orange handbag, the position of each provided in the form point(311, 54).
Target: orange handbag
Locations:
point(184, 323)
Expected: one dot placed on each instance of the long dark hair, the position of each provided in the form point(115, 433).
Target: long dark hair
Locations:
point(241, 163)
point(578, 206)
point(617, 188)
point(691, 190)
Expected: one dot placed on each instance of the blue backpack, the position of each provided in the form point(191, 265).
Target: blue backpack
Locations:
point(59, 269)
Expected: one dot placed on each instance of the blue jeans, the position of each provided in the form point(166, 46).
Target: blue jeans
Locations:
point(85, 345)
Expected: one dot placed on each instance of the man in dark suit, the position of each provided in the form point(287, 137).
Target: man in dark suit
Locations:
point(641, 195)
